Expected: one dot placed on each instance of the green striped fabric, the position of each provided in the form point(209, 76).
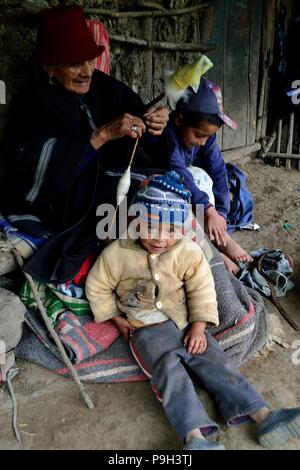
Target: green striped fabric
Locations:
point(54, 301)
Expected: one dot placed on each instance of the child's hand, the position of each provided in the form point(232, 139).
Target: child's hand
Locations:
point(216, 226)
point(195, 341)
point(123, 325)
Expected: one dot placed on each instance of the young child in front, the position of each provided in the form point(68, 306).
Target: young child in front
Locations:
point(159, 291)
point(195, 155)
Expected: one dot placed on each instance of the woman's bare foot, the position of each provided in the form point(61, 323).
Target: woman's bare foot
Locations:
point(234, 251)
point(230, 265)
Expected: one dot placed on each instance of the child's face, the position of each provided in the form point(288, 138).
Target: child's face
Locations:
point(159, 239)
point(196, 136)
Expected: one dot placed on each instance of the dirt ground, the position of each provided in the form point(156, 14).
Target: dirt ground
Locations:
point(52, 415)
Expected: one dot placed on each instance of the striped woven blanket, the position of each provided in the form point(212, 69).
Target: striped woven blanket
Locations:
point(98, 352)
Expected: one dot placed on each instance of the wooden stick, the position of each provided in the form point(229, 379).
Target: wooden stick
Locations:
point(155, 100)
point(261, 105)
point(268, 145)
point(291, 134)
point(168, 46)
point(150, 4)
point(240, 152)
point(133, 151)
point(148, 80)
point(293, 156)
point(290, 142)
point(278, 147)
point(130, 14)
point(145, 14)
point(51, 330)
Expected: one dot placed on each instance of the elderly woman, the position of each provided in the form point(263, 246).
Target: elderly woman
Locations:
point(70, 124)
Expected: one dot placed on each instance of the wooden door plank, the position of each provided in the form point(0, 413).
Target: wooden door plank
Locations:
point(236, 72)
point(218, 37)
point(254, 54)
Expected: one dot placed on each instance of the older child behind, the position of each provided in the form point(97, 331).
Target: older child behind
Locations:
point(195, 155)
point(160, 293)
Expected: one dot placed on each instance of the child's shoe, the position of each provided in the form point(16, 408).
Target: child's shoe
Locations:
point(280, 426)
point(202, 444)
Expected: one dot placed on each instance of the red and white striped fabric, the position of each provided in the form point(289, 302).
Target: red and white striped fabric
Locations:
point(100, 36)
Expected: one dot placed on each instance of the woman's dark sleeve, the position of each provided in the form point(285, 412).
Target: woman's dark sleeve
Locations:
point(43, 168)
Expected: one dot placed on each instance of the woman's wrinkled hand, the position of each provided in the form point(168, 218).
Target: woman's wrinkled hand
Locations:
point(216, 226)
point(123, 325)
point(156, 120)
point(125, 125)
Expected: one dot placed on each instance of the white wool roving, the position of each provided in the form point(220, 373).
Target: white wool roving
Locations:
point(123, 186)
point(124, 183)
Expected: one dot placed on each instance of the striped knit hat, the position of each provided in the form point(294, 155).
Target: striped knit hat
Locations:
point(164, 199)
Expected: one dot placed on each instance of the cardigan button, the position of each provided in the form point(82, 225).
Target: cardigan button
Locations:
point(153, 256)
point(158, 304)
point(156, 277)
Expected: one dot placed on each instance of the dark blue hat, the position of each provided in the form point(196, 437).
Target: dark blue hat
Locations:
point(208, 100)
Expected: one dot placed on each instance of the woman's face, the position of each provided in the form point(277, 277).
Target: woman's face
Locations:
point(74, 77)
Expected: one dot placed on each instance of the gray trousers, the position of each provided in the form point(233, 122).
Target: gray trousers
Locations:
point(159, 351)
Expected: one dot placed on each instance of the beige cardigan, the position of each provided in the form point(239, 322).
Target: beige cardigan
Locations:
point(127, 279)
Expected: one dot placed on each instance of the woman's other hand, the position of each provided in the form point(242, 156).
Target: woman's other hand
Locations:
point(125, 125)
point(156, 120)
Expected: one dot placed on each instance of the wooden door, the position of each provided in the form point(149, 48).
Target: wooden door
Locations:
point(237, 34)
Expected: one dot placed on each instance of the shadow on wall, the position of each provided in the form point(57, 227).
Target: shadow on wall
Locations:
point(17, 36)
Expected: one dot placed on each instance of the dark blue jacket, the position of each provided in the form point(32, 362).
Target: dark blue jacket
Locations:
point(209, 158)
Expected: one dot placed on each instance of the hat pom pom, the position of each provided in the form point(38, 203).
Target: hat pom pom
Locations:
point(175, 176)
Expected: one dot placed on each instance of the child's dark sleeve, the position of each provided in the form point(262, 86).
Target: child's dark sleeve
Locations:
point(211, 160)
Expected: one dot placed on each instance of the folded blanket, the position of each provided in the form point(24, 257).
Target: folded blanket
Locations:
point(115, 364)
point(82, 337)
